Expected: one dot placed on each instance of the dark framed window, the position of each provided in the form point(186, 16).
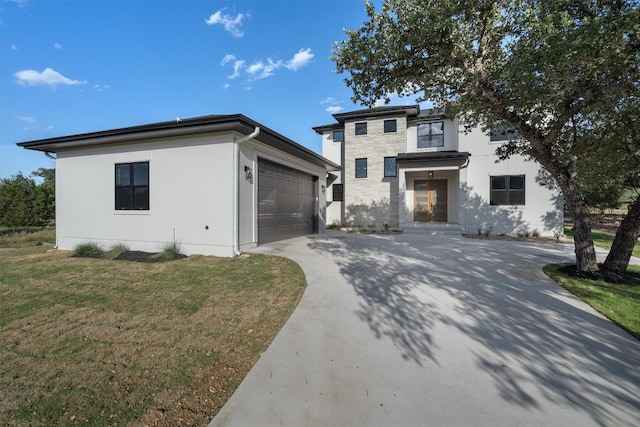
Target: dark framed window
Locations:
point(507, 190)
point(361, 128)
point(390, 167)
point(338, 192)
point(361, 168)
point(390, 126)
point(503, 134)
point(132, 186)
point(431, 135)
point(338, 136)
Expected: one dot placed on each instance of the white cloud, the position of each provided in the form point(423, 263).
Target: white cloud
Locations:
point(227, 58)
point(329, 100)
point(26, 119)
point(300, 59)
point(261, 69)
point(230, 24)
point(101, 88)
point(48, 77)
point(57, 45)
point(238, 65)
point(333, 109)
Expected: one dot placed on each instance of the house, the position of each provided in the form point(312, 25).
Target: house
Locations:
point(216, 185)
point(419, 170)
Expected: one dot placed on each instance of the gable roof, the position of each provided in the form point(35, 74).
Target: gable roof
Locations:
point(182, 127)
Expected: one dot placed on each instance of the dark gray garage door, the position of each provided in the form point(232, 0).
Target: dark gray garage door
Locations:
point(286, 202)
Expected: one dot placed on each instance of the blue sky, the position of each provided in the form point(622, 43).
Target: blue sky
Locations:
point(70, 67)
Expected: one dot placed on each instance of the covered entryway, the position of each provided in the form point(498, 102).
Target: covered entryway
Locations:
point(286, 202)
point(430, 200)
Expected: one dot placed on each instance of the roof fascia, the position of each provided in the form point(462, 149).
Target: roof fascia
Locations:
point(187, 127)
point(412, 110)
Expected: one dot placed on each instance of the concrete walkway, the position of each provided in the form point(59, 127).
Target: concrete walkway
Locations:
point(421, 330)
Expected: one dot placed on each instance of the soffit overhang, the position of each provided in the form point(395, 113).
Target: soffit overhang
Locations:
point(180, 128)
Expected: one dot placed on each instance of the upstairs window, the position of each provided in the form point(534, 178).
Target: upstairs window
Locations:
point(361, 128)
point(361, 168)
point(132, 186)
point(507, 190)
point(431, 135)
point(338, 136)
point(503, 134)
point(390, 126)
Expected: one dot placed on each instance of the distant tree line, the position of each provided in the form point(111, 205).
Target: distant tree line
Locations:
point(27, 202)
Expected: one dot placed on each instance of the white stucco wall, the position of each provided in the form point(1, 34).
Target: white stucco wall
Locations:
point(332, 150)
point(542, 211)
point(190, 190)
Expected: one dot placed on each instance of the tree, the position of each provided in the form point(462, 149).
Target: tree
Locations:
point(537, 66)
point(23, 202)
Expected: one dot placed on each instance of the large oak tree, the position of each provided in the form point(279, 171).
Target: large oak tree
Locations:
point(542, 67)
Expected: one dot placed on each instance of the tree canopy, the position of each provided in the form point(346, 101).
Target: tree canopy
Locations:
point(553, 70)
point(25, 202)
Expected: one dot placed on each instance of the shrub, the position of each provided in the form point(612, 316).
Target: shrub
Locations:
point(115, 251)
point(170, 252)
point(87, 249)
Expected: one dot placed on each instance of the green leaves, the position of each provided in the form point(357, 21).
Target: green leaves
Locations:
point(23, 202)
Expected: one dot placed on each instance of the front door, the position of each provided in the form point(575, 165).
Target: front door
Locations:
point(430, 200)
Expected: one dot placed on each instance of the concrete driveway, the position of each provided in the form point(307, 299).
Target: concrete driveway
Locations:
point(422, 330)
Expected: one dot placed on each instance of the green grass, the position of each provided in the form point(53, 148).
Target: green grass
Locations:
point(104, 342)
point(603, 240)
point(32, 237)
point(620, 303)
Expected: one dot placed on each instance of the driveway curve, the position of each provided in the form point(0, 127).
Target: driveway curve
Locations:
point(423, 330)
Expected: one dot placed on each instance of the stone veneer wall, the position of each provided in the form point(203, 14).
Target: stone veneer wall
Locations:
point(372, 200)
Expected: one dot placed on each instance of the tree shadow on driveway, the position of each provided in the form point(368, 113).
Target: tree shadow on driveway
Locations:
point(539, 344)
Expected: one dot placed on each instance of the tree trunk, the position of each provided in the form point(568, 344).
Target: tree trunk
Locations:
point(625, 240)
point(582, 239)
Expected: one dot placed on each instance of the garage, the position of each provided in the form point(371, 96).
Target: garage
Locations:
point(286, 202)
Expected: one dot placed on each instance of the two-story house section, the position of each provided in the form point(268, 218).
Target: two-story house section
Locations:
point(419, 170)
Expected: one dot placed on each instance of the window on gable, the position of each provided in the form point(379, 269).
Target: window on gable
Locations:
point(390, 169)
point(361, 168)
point(361, 128)
point(338, 136)
point(431, 135)
point(132, 186)
point(390, 126)
point(503, 134)
point(338, 192)
point(507, 190)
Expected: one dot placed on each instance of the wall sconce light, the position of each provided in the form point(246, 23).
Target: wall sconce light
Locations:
point(430, 174)
point(324, 189)
point(248, 174)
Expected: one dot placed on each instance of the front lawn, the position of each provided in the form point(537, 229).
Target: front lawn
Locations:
point(105, 342)
point(603, 239)
point(618, 302)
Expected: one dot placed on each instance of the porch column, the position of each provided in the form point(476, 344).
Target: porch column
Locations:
point(402, 189)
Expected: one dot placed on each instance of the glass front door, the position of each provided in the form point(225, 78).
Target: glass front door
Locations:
point(430, 200)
